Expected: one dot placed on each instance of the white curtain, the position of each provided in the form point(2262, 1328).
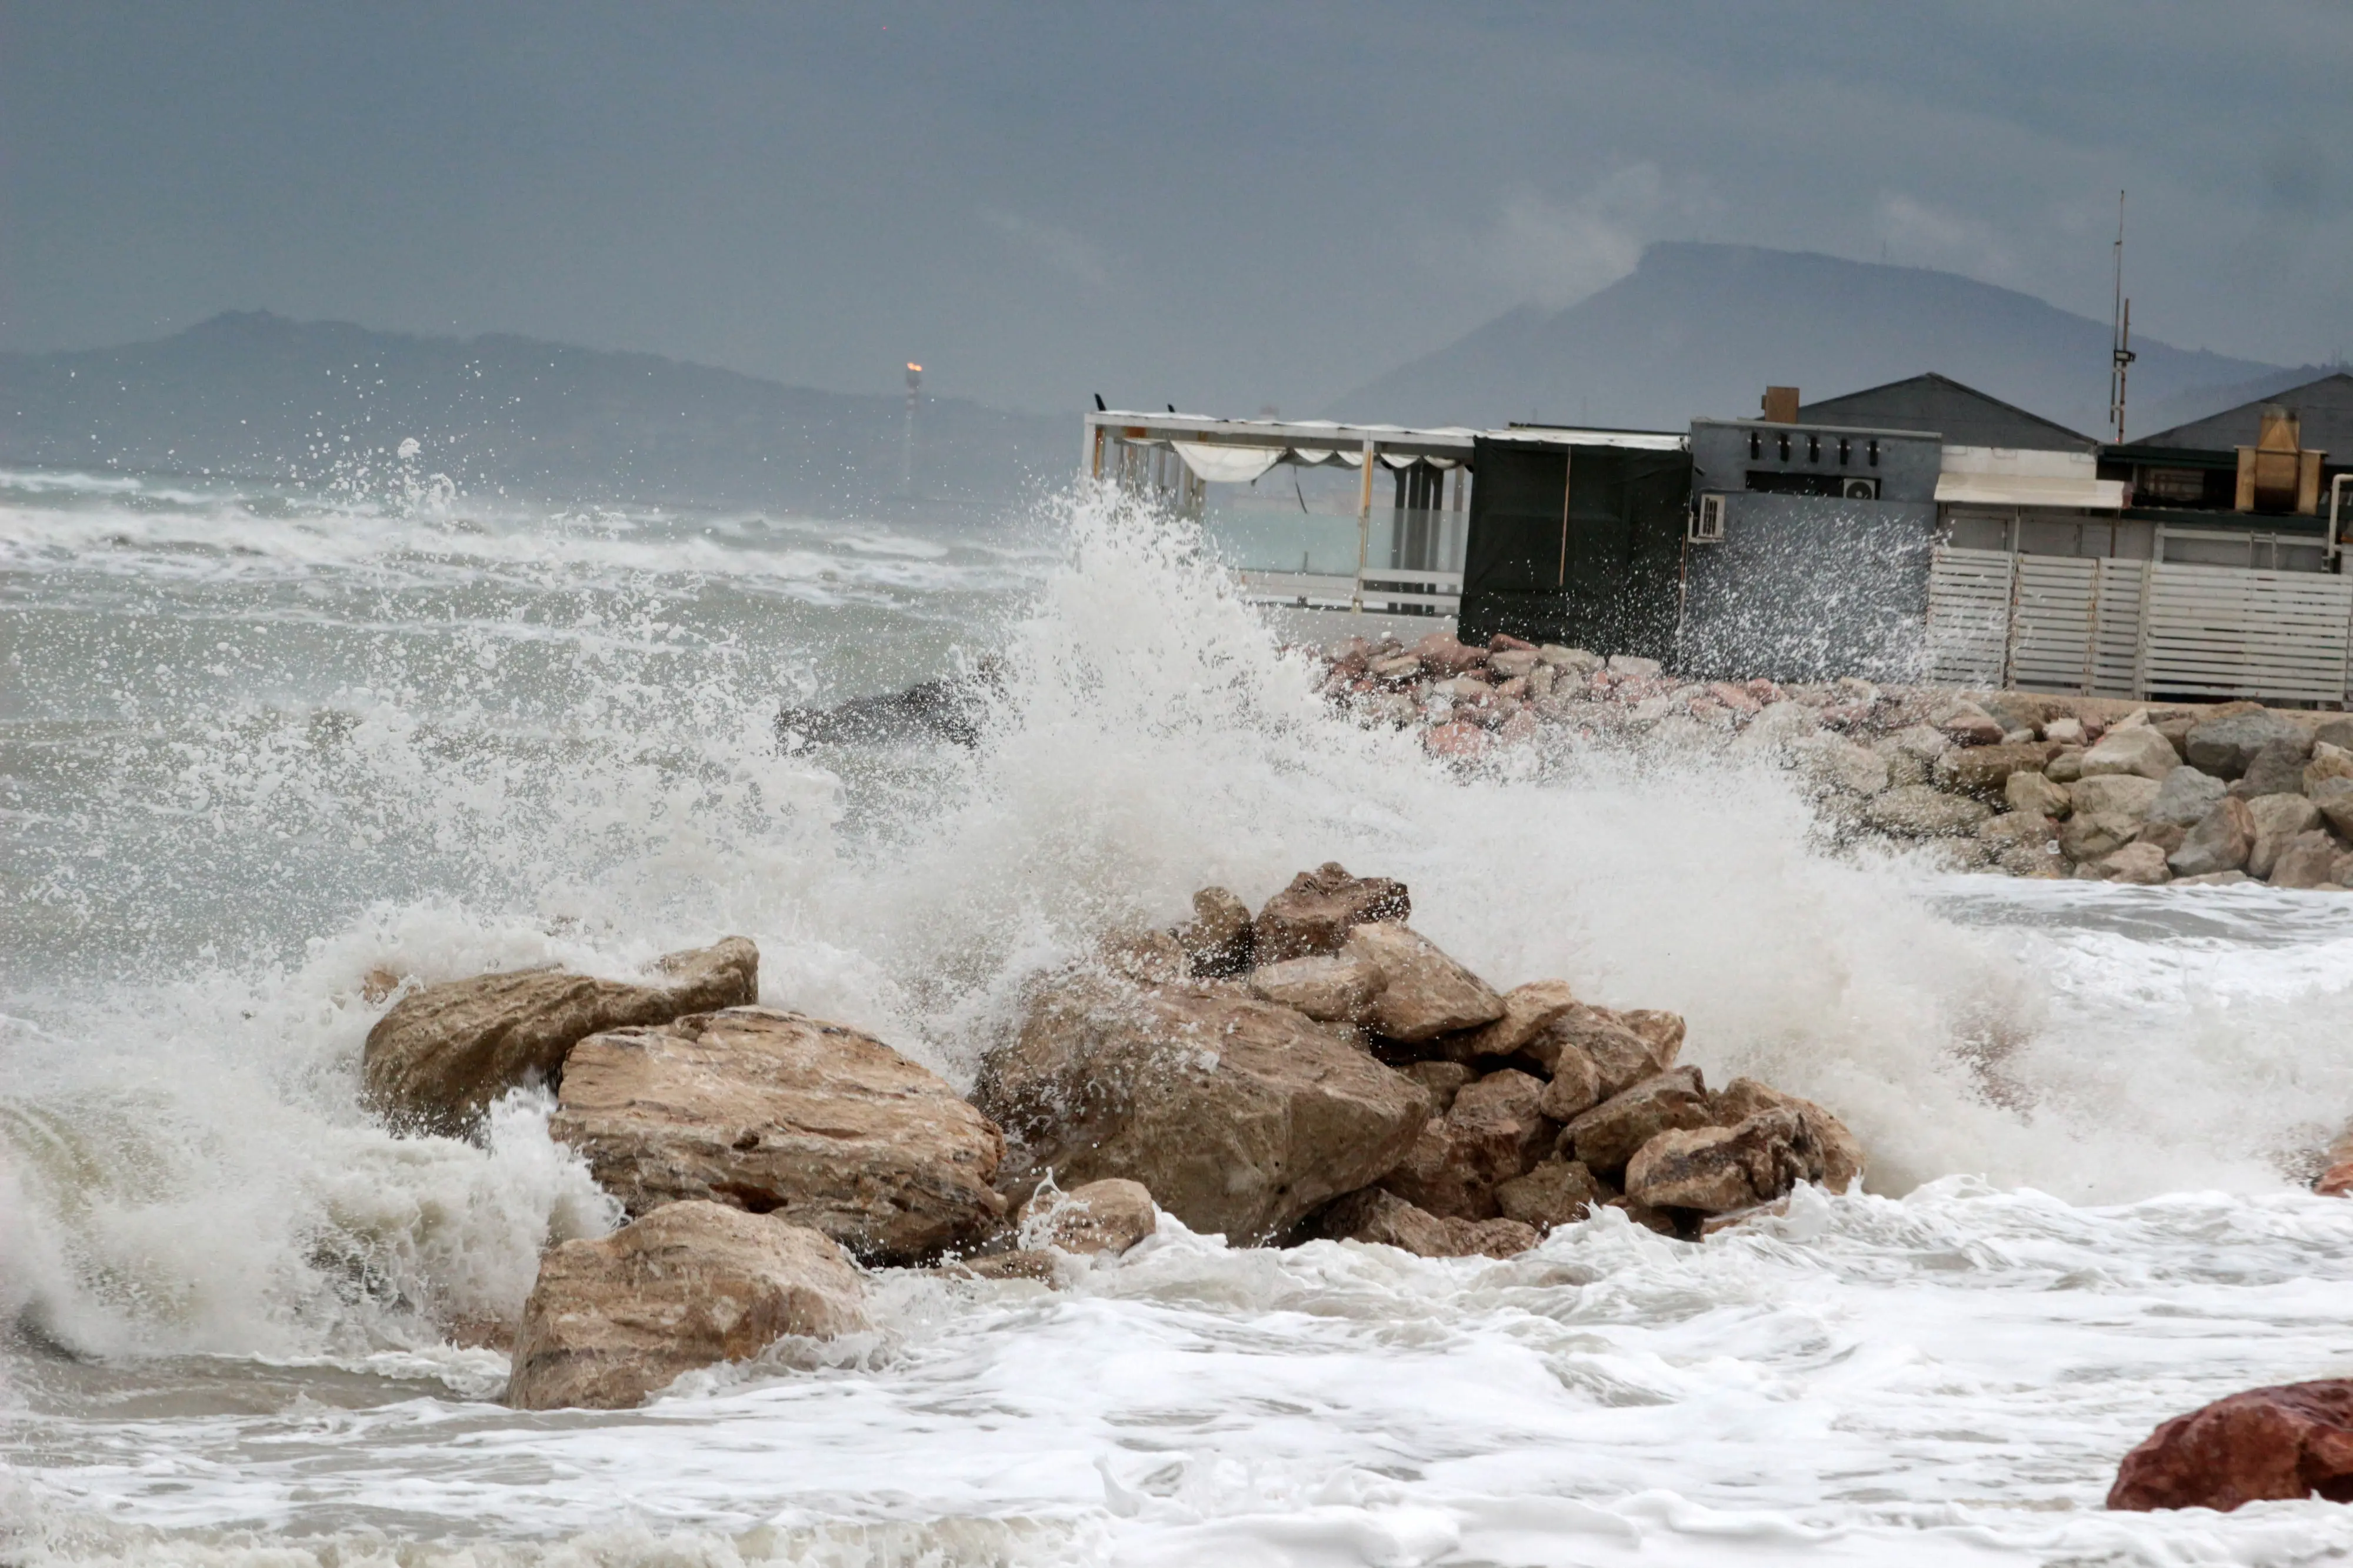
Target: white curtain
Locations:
point(1226, 465)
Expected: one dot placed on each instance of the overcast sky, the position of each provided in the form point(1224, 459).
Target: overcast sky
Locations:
point(1224, 205)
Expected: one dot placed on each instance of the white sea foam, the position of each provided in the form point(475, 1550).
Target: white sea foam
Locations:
point(1943, 1373)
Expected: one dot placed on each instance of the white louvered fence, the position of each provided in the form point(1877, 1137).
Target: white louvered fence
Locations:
point(2128, 629)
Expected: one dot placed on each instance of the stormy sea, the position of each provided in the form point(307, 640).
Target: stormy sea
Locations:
point(256, 742)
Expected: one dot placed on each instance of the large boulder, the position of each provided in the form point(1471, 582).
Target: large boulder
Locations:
point(2185, 796)
point(2224, 744)
point(1423, 994)
point(1495, 1130)
point(690, 1285)
point(1923, 811)
point(2140, 864)
point(779, 1113)
point(2034, 793)
point(2333, 796)
point(2220, 841)
point(1239, 1116)
point(1841, 1151)
point(2306, 860)
point(1624, 1048)
point(2136, 749)
point(1605, 1137)
point(1717, 1170)
point(442, 1055)
point(1329, 987)
point(2277, 769)
point(1315, 913)
point(2267, 1444)
point(2327, 763)
point(2128, 794)
point(1557, 1193)
point(1528, 1010)
point(1986, 770)
point(2096, 835)
point(2278, 819)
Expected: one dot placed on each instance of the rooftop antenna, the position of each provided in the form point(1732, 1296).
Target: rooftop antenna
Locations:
point(2120, 354)
point(907, 440)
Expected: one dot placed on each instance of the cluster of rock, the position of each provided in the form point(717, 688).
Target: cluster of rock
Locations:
point(1316, 1069)
point(2031, 786)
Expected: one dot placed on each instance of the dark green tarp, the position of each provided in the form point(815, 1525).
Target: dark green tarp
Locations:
point(1596, 567)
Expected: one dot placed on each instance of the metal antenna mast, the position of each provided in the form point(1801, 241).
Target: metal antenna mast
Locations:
point(2120, 354)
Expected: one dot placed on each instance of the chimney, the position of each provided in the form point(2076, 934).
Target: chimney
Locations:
point(1782, 406)
point(2277, 474)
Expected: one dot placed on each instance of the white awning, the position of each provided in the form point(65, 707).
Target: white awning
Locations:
point(2030, 490)
point(1226, 465)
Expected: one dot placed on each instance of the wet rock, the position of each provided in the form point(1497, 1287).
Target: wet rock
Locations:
point(1330, 987)
point(2226, 745)
point(1494, 1131)
point(692, 1285)
point(2278, 819)
point(1840, 1150)
point(1423, 994)
point(1634, 666)
point(1922, 811)
point(2306, 860)
point(442, 1055)
point(779, 1113)
point(1716, 1170)
point(1142, 953)
point(1217, 940)
point(2128, 794)
point(2034, 792)
point(2267, 1444)
point(1575, 659)
point(2014, 827)
point(2032, 860)
point(2212, 880)
point(1970, 725)
point(1987, 770)
point(1383, 1219)
point(1528, 1010)
point(1315, 913)
point(2276, 769)
point(1107, 1216)
point(1443, 1081)
point(2220, 841)
point(2141, 865)
point(1557, 1193)
point(1834, 762)
point(2136, 749)
point(1490, 1237)
point(2096, 835)
point(1607, 1136)
point(1032, 1263)
point(1511, 664)
point(1241, 1117)
point(2185, 796)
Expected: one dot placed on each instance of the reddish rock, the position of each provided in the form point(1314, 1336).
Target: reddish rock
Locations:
point(1504, 641)
point(1442, 655)
point(1607, 1136)
point(2288, 1442)
point(2336, 1181)
point(1737, 698)
point(1315, 913)
point(1459, 739)
point(1494, 1131)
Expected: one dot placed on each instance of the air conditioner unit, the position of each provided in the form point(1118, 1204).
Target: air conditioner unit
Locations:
point(1707, 522)
point(1858, 489)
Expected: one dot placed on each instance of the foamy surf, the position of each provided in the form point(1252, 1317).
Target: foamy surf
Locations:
point(2083, 1105)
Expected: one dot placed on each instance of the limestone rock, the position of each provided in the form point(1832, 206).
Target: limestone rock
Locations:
point(2066, 767)
point(2185, 796)
point(1442, 1080)
point(2141, 865)
point(1575, 1085)
point(1494, 1131)
point(1557, 1193)
point(1716, 1170)
point(2034, 792)
point(2225, 744)
point(1621, 1055)
point(1922, 811)
point(1106, 1217)
point(1527, 1010)
point(1238, 1116)
point(1607, 1136)
point(1315, 913)
point(2136, 750)
point(2336, 729)
point(1217, 940)
point(2328, 762)
point(2096, 835)
point(1330, 987)
point(2292, 1441)
point(690, 1285)
point(1423, 994)
point(2306, 860)
point(2278, 819)
point(2013, 827)
point(2220, 841)
point(2128, 794)
point(1841, 1151)
point(777, 1112)
point(1987, 769)
point(2333, 796)
point(442, 1054)
point(2276, 769)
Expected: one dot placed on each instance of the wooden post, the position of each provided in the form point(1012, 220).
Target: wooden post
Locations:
point(1364, 523)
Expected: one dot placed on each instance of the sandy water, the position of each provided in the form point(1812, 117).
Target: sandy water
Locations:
point(254, 745)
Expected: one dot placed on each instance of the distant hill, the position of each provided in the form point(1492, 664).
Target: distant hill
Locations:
point(254, 394)
point(1704, 329)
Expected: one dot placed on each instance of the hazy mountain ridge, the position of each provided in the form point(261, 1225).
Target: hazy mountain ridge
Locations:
point(252, 393)
point(1701, 330)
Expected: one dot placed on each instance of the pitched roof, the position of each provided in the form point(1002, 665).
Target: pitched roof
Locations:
point(1962, 414)
point(2325, 407)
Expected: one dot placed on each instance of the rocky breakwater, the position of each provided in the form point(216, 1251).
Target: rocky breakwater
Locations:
point(2029, 784)
point(1316, 1071)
